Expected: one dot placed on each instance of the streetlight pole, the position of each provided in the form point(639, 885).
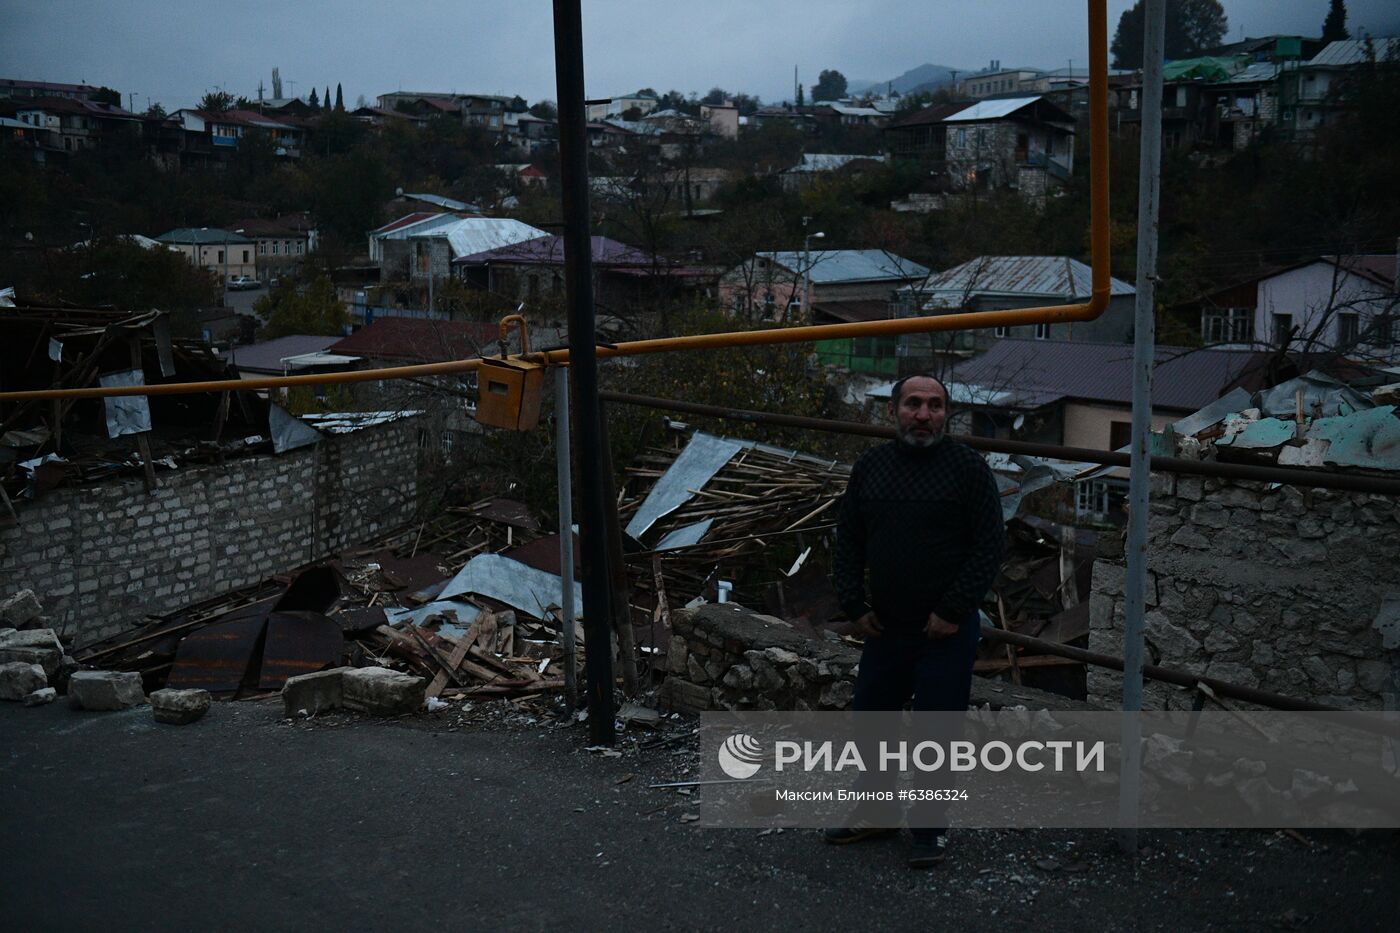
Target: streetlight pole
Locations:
point(807, 273)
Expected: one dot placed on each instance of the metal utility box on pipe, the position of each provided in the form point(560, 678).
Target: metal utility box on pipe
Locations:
point(509, 388)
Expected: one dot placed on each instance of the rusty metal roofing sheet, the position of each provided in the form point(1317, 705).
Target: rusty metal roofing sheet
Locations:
point(298, 643)
point(218, 657)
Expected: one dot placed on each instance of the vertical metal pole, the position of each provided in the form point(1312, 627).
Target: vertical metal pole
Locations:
point(566, 533)
point(583, 365)
point(1144, 341)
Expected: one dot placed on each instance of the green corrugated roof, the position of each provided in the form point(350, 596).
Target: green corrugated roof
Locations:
point(1212, 68)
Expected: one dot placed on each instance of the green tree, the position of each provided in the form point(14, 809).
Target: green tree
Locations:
point(801, 102)
point(326, 101)
point(314, 101)
point(117, 272)
point(156, 111)
point(545, 110)
point(216, 101)
point(1334, 27)
point(339, 99)
point(310, 309)
point(831, 85)
point(1192, 26)
point(106, 95)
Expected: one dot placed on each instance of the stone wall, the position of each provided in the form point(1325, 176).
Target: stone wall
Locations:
point(1271, 589)
point(726, 657)
point(101, 557)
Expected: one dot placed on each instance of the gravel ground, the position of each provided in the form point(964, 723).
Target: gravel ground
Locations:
point(494, 815)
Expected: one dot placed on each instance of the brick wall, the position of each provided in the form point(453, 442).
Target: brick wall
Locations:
point(1277, 589)
point(101, 557)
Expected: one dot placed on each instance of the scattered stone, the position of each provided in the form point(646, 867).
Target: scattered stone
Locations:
point(837, 695)
point(18, 679)
point(689, 817)
point(18, 610)
point(105, 690)
point(36, 646)
point(380, 691)
point(780, 655)
point(641, 715)
point(1047, 864)
point(179, 707)
point(41, 696)
point(309, 694)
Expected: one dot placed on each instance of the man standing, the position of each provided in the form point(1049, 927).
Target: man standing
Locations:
point(922, 515)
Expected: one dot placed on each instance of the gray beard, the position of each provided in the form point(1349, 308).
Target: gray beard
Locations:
point(908, 439)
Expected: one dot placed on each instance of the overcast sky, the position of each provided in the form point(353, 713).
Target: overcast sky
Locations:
point(171, 52)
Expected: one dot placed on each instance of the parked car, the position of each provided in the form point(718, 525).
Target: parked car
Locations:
point(241, 282)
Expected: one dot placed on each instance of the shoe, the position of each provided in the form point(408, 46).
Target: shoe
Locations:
point(928, 853)
point(844, 835)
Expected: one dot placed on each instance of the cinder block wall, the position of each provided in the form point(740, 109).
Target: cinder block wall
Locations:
point(1276, 589)
point(102, 557)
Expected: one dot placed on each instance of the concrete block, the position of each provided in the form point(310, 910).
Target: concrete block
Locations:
point(20, 609)
point(308, 694)
point(19, 679)
point(179, 707)
point(380, 691)
point(105, 690)
point(47, 658)
point(41, 696)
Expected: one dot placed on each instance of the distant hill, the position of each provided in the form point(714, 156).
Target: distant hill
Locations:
point(922, 78)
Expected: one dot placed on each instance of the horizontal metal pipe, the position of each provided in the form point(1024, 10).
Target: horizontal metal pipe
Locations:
point(744, 338)
point(1288, 476)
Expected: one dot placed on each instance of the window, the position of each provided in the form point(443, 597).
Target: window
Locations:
point(1042, 331)
point(1227, 325)
point(1283, 328)
point(794, 305)
point(221, 256)
point(275, 245)
point(1348, 328)
point(1120, 434)
point(1091, 498)
point(1383, 330)
point(245, 255)
point(960, 137)
point(299, 248)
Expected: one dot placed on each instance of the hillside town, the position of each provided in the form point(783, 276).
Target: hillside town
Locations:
point(274, 562)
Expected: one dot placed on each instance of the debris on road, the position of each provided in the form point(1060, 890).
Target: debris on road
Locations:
point(105, 690)
point(179, 707)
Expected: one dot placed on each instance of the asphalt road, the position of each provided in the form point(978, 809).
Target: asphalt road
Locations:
point(497, 819)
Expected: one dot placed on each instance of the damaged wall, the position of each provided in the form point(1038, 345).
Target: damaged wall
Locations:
point(101, 557)
point(727, 657)
point(1272, 589)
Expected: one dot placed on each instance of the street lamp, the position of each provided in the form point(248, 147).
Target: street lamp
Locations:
point(807, 274)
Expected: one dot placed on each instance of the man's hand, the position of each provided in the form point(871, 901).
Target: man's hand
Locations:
point(937, 628)
point(868, 626)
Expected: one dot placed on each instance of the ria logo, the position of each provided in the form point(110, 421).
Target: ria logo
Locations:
point(740, 756)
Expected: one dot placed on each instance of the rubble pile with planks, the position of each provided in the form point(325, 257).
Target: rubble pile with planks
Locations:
point(467, 601)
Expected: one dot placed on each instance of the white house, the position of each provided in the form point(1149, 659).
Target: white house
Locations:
point(1347, 304)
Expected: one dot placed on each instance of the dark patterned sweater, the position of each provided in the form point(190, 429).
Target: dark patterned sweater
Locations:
point(926, 523)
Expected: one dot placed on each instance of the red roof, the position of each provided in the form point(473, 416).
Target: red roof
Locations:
point(416, 340)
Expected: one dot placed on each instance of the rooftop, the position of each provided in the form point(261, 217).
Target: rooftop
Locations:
point(550, 250)
point(1021, 276)
point(1353, 51)
point(829, 161)
point(202, 235)
point(471, 235)
point(1038, 372)
point(267, 356)
point(419, 340)
point(832, 266)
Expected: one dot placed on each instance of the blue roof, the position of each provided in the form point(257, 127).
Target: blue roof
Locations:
point(203, 235)
point(830, 266)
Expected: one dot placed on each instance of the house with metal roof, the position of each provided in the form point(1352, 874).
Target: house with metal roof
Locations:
point(1022, 142)
point(1079, 393)
point(420, 250)
point(1005, 283)
point(1312, 93)
point(817, 165)
point(223, 252)
point(63, 124)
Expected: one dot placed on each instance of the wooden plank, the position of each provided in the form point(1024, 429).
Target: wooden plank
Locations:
point(454, 660)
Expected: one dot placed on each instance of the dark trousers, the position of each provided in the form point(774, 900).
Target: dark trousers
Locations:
point(937, 675)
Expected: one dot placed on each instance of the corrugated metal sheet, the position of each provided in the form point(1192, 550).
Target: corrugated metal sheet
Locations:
point(991, 109)
point(1351, 52)
point(830, 266)
point(1019, 276)
point(1184, 378)
point(829, 161)
point(448, 203)
point(468, 235)
point(267, 356)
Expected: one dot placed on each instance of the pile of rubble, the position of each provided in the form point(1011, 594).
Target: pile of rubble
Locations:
point(35, 668)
